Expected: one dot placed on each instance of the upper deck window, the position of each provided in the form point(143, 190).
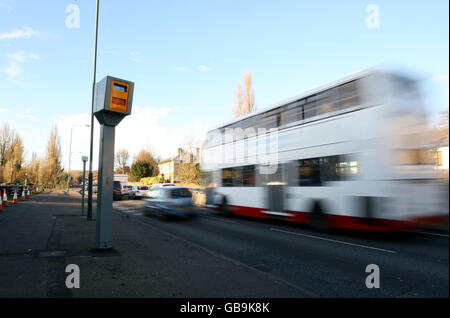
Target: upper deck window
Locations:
point(325, 102)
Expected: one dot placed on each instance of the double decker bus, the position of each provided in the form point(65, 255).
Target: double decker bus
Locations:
point(354, 154)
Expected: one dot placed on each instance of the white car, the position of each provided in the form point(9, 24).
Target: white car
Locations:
point(138, 192)
point(126, 190)
point(158, 186)
point(170, 201)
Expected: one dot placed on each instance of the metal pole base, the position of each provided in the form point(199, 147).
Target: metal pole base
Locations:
point(105, 188)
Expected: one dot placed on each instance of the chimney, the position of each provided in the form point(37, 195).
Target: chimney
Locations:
point(197, 154)
point(180, 152)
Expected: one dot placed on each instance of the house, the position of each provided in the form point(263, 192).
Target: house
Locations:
point(123, 178)
point(168, 168)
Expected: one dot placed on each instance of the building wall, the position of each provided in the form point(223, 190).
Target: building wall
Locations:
point(167, 170)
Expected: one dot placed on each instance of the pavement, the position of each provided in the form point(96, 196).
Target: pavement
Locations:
point(41, 236)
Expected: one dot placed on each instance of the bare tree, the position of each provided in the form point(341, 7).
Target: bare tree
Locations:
point(14, 158)
point(11, 153)
point(239, 101)
point(249, 96)
point(7, 136)
point(33, 169)
point(52, 164)
point(245, 97)
point(122, 157)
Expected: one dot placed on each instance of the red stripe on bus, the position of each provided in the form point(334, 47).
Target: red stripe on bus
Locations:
point(347, 222)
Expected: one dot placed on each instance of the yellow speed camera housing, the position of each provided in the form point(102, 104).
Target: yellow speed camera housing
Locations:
point(113, 100)
point(119, 96)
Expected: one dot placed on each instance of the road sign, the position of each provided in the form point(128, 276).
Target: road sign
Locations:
point(113, 101)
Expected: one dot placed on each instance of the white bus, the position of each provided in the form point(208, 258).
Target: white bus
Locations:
point(354, 154)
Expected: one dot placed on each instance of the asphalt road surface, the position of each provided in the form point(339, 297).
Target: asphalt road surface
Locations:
point(331, 264)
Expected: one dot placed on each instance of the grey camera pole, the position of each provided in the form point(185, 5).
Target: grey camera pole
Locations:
point(105, 188)
point(89, 210)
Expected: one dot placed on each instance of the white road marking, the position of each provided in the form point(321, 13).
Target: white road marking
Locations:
point(435, 234)
point(335, 241)
point(218, 219)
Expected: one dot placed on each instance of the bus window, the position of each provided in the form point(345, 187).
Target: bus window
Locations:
point(292, 113)
point(267, 120)
point(346, 168)
point(248, 176)
point(308, 172)
point(329, 168)
point(326, 101)
point(348, 95)
point(236, 176)
point(227, 177)
point(310, 109)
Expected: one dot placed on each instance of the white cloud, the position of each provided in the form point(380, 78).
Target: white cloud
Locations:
point(135, 56)
point(180, 68)
point(440, 77)
point(34, 56)
point(204, 68)
point(13, 69)
point(18, 56)
point(7, 4)
point(24, 33)
point(23, 57)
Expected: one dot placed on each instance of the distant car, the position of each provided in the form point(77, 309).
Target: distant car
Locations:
point(10, 187)
point(156, 187)
point(138, 192)
point(170, 201)
point(126, 190)
point(117, 191)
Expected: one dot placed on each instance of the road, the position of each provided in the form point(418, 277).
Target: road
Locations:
point(328, 264)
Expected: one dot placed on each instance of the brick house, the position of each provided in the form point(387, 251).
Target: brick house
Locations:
point(168, 168)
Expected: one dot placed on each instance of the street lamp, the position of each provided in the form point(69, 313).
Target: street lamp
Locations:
point(84, 159)
point(89, 210)
point(70, 153)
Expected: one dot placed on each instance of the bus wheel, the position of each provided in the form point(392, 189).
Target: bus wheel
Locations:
point(224, 208)
point(318, 219)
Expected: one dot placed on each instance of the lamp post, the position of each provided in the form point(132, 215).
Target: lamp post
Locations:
point(84, 159)
point(89, 210)
point(70, 154)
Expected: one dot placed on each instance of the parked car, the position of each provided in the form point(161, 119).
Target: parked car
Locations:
point(117, 191)
point(156, 187)
point(138, 192)
point(170, 201)
point(126, 190)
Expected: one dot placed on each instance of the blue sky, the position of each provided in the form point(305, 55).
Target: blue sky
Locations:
point(187, 56)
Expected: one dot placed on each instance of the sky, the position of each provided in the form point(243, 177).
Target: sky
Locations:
point(186, 57)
